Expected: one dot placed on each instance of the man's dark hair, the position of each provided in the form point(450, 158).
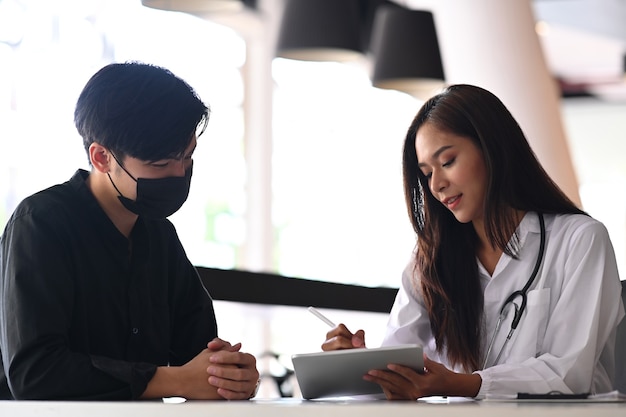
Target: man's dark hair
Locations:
point(139, 110)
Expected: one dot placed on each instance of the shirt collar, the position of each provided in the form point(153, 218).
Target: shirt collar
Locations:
point(529, 224)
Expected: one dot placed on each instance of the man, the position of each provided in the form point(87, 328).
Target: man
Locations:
point(98, 300)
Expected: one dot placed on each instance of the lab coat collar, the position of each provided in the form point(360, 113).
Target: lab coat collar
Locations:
point(529, 224)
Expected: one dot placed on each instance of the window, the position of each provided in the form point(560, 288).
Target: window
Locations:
point(338, 198)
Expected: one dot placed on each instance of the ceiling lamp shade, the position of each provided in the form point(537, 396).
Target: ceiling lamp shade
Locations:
point(195, 7)
point(320, 30)
point(405, 51)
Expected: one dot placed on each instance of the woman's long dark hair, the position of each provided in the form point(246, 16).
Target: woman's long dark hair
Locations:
point(446, 249)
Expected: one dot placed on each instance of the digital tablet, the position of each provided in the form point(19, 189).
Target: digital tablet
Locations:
point(340, 373)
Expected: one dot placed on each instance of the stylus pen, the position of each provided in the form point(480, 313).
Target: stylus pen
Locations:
point(322, 317)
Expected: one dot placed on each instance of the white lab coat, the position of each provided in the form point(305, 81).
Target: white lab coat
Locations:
point(565, 340)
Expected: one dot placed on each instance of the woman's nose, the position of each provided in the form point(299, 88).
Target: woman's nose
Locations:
point(437, 182)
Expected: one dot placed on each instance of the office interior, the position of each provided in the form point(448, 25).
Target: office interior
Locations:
point(297, 179)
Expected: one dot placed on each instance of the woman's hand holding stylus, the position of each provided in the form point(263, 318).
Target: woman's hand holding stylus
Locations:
point(341, 338)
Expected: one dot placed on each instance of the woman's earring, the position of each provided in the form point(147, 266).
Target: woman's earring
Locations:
point(418, 205)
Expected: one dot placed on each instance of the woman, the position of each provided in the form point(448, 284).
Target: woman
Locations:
point(493, 227)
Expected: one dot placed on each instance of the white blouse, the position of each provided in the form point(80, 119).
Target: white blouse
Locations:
point(565, 340)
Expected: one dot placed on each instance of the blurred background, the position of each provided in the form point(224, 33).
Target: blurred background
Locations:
point(299, 172)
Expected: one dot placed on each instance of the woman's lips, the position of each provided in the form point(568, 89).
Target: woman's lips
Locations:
point(452, 202)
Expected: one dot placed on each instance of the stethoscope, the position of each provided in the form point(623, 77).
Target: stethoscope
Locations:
point(519, 293)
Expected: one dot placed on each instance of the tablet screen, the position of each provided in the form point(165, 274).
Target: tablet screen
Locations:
point(340, 373)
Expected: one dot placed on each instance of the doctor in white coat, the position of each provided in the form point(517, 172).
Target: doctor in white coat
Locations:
point(511, 287)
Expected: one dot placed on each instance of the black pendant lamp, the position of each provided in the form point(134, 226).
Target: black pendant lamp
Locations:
point(405, 51)
point(320, 30)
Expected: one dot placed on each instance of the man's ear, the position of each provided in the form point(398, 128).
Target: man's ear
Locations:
point(100, 157)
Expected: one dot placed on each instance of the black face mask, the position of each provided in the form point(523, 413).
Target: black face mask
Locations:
point(157, 198)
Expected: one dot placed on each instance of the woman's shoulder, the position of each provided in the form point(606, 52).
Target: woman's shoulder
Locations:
point(574, 220)
point(578, 226)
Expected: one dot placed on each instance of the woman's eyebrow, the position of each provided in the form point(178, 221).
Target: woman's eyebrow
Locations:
point(436, 154)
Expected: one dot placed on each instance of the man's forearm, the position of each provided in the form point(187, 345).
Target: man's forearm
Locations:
point(175, 381)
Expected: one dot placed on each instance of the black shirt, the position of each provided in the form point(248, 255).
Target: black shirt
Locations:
point(82, 314)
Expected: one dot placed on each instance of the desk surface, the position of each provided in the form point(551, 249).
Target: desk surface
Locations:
point(297, 408)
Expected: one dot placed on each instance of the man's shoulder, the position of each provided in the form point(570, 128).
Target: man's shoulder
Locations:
point(43, 201)
point(49, 204)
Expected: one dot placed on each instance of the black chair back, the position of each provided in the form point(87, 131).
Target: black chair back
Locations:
point(620, 350)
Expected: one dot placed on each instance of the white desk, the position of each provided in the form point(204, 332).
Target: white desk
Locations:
point(299, 408)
